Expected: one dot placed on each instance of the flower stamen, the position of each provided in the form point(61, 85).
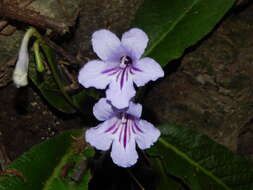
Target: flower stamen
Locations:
point(125, 61)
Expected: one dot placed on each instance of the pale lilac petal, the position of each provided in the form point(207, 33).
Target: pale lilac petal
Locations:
point(91, 75)
point(103, 110)
point(150, 70)
point(148, 135)
point(99, 137)
point(134, 109)
point(105, 44)
point(124, 156)
point(135, 41)
point(120, 96)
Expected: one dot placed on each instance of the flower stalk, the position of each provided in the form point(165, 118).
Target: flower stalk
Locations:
point(38, 60)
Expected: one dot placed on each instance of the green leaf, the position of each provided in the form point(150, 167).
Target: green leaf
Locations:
point(38, 59)
point(52, 85)
point(165, 181)
point(174, 25)
point(200, 162)
point(42, 166)
point(49, 89)
point(59, 78)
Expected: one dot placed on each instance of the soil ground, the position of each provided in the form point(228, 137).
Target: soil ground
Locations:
point(25, 120)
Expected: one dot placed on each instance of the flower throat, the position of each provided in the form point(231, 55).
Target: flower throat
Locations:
point(125, 61)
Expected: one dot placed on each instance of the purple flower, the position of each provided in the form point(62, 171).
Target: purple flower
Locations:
point(120, 65)
point(121, 130)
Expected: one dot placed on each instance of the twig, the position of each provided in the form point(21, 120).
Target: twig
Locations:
point(145, 157)
point(25, 3)
point(135, 180)
point(62, 52)
point(4, 159)
point(8, 30)
point(13, 172)
point(73, 85)
point(12, 11)
point(3, 24)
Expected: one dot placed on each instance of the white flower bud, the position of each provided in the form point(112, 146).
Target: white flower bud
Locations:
point(21, 69)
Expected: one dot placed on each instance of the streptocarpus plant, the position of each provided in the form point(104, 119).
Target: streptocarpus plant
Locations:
point(183, 158)
point(121, 67)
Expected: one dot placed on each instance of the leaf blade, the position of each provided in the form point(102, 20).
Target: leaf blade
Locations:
point(49, 89)
point(42, 166)
point(200, 162)
point(173, 26)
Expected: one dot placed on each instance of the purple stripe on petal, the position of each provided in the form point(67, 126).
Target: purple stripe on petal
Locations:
point(127, 73)
point(122, 78)
point(136, 69)
point(121, 130)
point(117, 77)
point(109, 70)
point(125, 135)
point(115, 129)
point(111, 128)
point(137, 127)
point(115, 72)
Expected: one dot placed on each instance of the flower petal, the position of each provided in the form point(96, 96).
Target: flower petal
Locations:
point(148, 135)
point(20, 74)
point(135, 41)
point(124, 156)
point(135, 109)
point(120, 95)
point(91, 75)
point(103, 110)
point(105, 44)
point(99, 137)
point(149, 70)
